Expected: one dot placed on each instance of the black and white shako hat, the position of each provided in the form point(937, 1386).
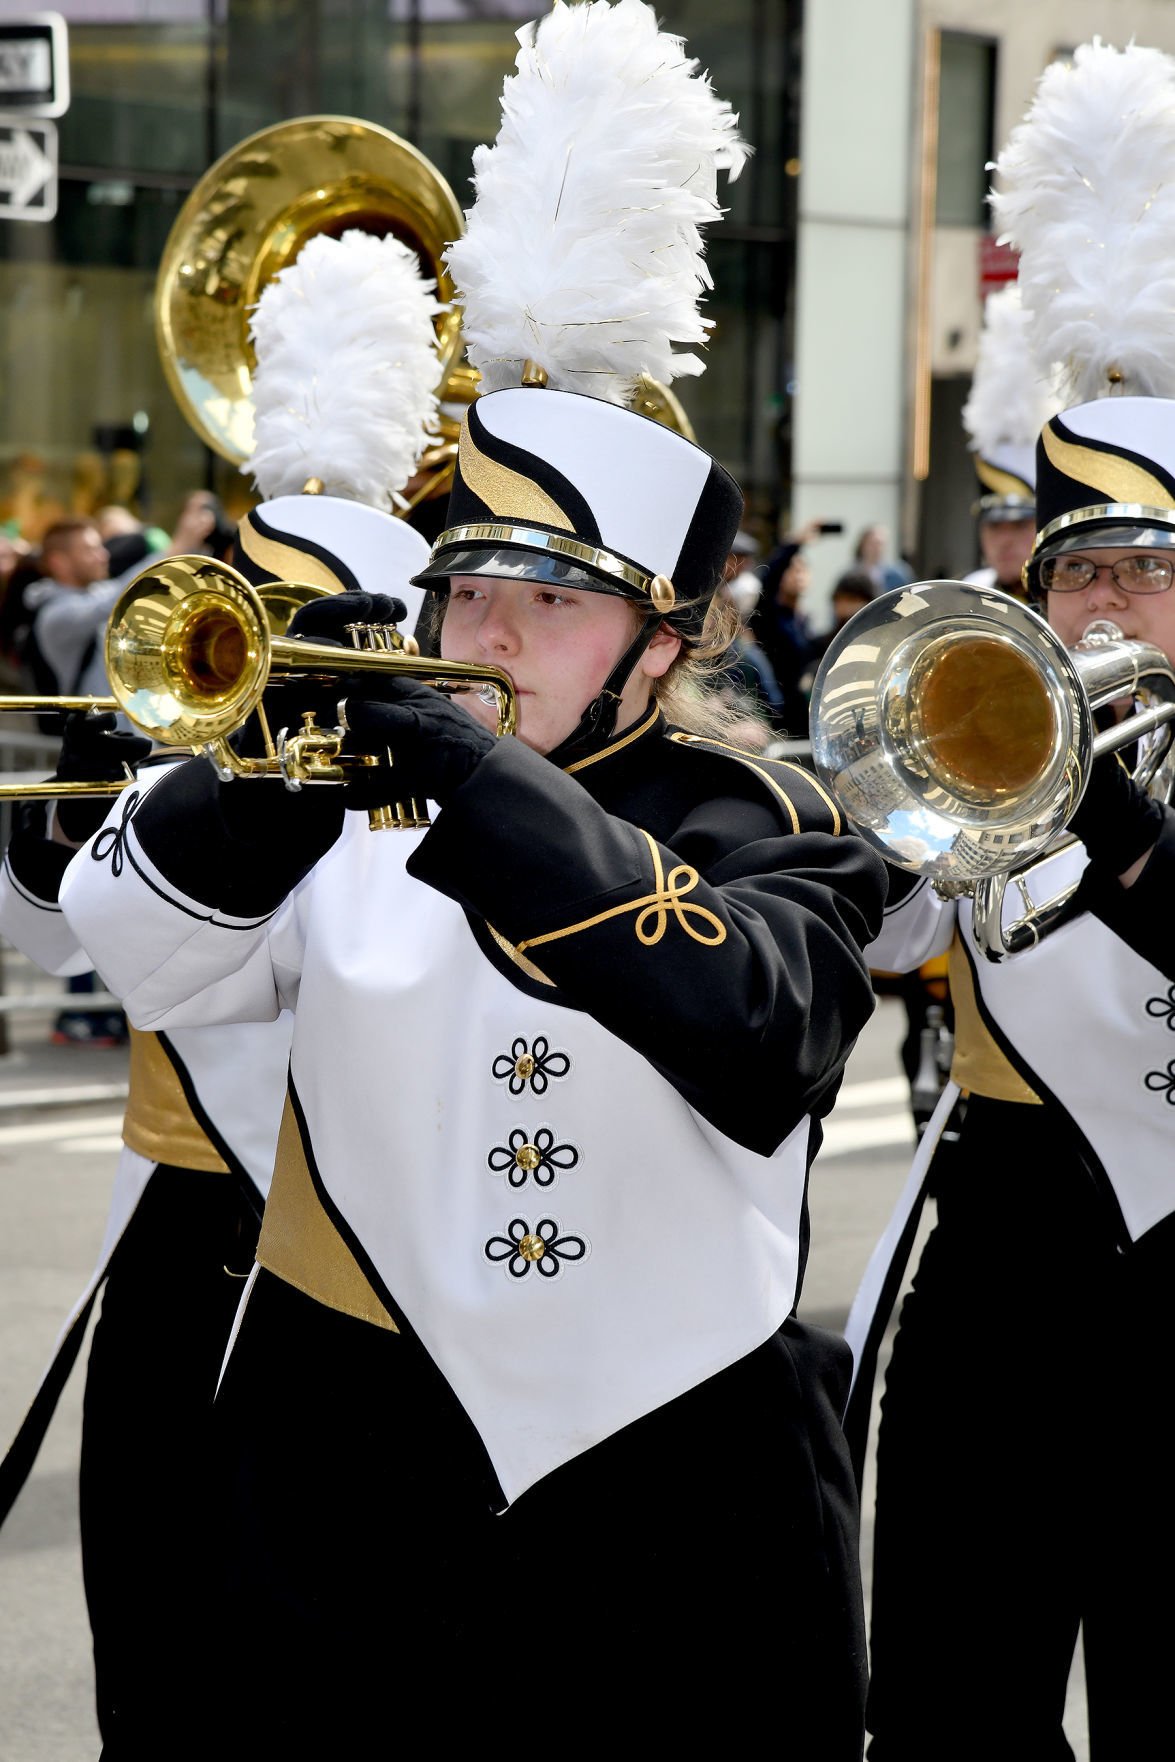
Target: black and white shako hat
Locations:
point(1009, 400)
point(567, 489)
point(581, 266)
point(1088, 197)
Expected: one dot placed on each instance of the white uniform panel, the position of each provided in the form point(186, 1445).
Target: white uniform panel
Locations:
point(914, 930)
point(680, 1249)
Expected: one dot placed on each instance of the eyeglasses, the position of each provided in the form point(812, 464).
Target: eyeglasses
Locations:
point(1066, 574)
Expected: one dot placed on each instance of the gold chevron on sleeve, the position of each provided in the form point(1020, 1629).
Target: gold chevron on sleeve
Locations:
point(506, 492)
point(1118, 479)
point(285, 562)
point(300, 1242)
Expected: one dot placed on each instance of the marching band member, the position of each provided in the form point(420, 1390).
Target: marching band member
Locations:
point(198, 1141)
point(1009, 402)
point(350, 323)
point(518, 1409)
point(1024, 1434)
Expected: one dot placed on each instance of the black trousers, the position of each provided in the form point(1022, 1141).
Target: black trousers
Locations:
point(694, 1577)
point(145, 1496)
point(1023, 1479)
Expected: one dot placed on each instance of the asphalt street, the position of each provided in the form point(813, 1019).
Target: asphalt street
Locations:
point(60, 1112)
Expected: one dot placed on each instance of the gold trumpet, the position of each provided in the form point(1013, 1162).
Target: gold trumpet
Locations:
point(280, 600)
point(190, 653)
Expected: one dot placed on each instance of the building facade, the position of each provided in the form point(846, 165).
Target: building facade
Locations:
point(162, 88)
point(905, 103)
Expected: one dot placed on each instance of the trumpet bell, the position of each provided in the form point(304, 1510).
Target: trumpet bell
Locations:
point(979, 717)
point(187, 651)
point(952, 725)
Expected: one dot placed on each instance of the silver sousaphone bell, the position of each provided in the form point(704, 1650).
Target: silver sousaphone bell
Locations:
point(957, 732)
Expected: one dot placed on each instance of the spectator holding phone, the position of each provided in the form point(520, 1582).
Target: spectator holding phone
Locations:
point(781, 626)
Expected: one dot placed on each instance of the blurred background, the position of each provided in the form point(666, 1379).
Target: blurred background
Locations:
point(849, 274)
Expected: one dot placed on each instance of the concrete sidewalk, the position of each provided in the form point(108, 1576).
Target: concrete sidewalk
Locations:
point(33, 1072)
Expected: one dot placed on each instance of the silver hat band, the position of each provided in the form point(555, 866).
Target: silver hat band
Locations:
point(1136, 513)
point(534, 539)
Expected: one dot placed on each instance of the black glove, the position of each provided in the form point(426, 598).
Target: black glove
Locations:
point(302, 824)
point(93, 750)
point(322, 621)
point(435, 744)
point(1116, 821)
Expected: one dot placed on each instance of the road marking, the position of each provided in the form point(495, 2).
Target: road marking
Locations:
point(876, 1092)
point(842, 1137)
point(63, 1097)
point(47, 1131)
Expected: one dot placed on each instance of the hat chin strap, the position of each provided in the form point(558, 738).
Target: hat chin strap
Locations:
point(597, 725)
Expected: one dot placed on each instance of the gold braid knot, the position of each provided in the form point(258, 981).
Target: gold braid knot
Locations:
point(666, 897)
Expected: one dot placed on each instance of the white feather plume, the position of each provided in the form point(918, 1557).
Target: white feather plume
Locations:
point(1088, 198)
point(1011, 398)
point(582, 250)
point(347, 370)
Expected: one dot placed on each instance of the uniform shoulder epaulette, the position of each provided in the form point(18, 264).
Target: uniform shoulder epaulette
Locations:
point(805, 803)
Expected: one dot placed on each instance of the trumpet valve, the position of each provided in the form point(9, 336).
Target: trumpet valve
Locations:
point(382, 638)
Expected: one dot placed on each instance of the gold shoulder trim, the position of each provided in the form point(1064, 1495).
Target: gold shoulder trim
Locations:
point(1117, 478)
point(300, 1243)
point(159, 1123)
point(505, 492)
point(979, 1065)
point(285, 562)
point(758, 766)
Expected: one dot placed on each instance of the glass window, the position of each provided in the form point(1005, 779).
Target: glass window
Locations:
point(161, 88)
point(965, 123)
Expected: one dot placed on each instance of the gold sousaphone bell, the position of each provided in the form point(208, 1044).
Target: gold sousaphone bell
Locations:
point(248, 218)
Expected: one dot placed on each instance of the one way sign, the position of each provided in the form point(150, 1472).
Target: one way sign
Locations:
point(28, 170)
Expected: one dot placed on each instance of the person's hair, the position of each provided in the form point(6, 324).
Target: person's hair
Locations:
point(58, 535)
point(691, 694)
point(223, 529)
point(858, 582)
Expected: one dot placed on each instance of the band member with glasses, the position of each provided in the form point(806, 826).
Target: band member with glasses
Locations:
point(1025, 1436)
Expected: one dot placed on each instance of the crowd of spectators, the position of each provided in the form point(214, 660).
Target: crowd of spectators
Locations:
point(55, 598)
point(778, 647)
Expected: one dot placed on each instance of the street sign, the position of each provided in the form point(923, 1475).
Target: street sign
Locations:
point(34, 64)
point(28, 169)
